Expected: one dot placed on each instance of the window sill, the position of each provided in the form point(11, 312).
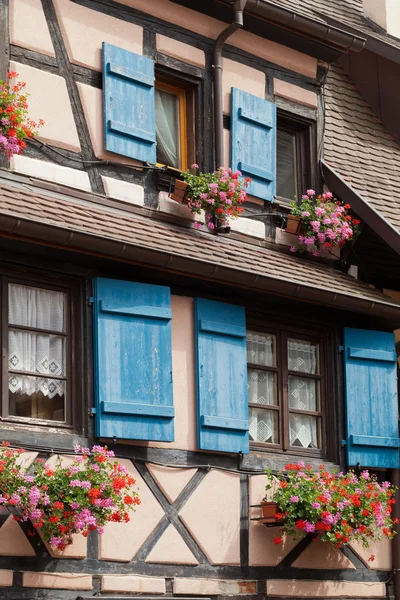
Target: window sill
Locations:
point(37, 438)
point(261, 460)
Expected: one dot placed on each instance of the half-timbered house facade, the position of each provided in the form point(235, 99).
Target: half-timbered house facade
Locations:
point(201, 359)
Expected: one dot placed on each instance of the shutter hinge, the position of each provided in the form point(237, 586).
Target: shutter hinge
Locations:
point(344, 442)
point(90, 300)
point(92, 411)
point(340, 348)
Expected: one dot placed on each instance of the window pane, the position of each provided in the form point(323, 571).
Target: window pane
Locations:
point(286, 178)
point(36, 397)
point(262, 387)
point(261, 349)
point(36, 307)
point(167, 128)
point(303, 393)
point(303, 357)
point(304, 431)
point(263, 425)
point(36, 352)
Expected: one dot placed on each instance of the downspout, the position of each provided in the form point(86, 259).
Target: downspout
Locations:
point(238, 8)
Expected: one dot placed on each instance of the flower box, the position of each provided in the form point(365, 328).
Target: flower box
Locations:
point(269, 510)
point(180, 192)
point(293, 225)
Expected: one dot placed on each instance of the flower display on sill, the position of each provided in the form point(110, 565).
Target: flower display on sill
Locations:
point(15, 125)
point(340, 508)
point(220, 194)
point(64, 500)
point(325, 223)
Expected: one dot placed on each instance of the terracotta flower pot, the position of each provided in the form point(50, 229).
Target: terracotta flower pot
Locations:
point(269, 510)
point(293, 225)
point(180, 192)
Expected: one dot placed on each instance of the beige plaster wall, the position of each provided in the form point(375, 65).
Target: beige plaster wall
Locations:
point(84, 30)
point(23, 13)
point(385, 13)
point(49, 100)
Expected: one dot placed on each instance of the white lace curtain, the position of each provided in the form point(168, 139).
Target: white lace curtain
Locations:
point(261, 387)
point(41, 354)
point(302, 357)
point(167, 128)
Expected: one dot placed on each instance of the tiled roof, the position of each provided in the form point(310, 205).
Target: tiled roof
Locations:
point(359, 149)
point(30, 206)
point(347, 12)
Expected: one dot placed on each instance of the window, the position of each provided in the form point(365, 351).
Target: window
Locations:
point(285, 391)
point(37, 337)
point(174, 110)
point(294, 157)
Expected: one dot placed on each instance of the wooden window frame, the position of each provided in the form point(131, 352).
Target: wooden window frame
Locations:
point(72, 418)
point(304, 133)
point(282, 333)
point(186, 99)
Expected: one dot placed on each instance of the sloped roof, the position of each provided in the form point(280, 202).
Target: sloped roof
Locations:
point(81, 223)
point(359, 149)
point(348, 12)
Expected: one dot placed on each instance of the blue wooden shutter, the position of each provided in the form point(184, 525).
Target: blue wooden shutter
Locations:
point(133, 361)
point(371, 399)
point(253, 142)
point(221, 377)
point(129, 107)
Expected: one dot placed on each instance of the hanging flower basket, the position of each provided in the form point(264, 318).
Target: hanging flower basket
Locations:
point(63, 500)
point(323, 223)
point(15, 125)
point(338, 508)
point(180, 193)
point(220, 195)
point(293, 225)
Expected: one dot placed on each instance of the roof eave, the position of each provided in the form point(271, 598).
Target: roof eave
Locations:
point(323, 32)
point(364, 210)
point(53, 235)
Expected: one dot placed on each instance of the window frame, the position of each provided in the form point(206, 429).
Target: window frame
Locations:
point(72, 421)
point(185, 90)
point(282, 332)
point(304, 131)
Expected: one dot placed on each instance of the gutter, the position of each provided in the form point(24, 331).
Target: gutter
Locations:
point(327, 34)
point(364, 210)
point(22, 229)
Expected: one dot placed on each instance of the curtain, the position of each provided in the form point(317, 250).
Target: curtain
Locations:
point(41, 354)
point(261, 388)
point(302, 357)
point(167, 128)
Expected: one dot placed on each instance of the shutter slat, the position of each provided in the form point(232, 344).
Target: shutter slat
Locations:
point(221, 376)
point(129, 105)
point(137, 409)
point(222, 328)
point(221, 423)
point(253, 142)
point(371, 399)
point(367, 440)
point(154, 312)
point(133, 361)
point(137, 134)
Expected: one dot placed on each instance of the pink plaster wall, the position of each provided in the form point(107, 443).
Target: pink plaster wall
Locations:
point(184, 52)
point(84, 30)
point(215, 507)
point(23, 13)
point(325, 589)
point(49, 100)
point(171, 549)
point(240, 76)
point(295, 93)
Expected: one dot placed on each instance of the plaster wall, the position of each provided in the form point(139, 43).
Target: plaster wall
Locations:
point(385, 13)
point(22, 14)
